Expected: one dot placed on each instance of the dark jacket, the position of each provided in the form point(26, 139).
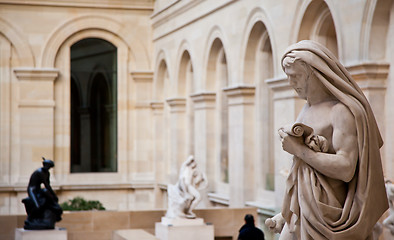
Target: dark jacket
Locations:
point(250, 232)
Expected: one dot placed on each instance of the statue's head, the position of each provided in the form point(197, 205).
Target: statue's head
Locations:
point(47, 163)
point(298, 74)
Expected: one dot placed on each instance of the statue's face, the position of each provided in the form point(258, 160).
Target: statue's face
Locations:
point(298, 78)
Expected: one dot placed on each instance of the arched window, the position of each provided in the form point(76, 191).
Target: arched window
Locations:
point(93, 106)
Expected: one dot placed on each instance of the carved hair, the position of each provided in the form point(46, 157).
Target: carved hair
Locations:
point(289, 61)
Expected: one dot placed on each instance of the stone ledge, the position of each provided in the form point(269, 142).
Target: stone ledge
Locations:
point(43, 74)
point(55, 234)
point(132, 234)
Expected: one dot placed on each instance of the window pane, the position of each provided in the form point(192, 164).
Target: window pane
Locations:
point(93, 106)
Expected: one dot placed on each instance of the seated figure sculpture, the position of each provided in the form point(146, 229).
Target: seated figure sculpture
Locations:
point(184, 196)
point(42, 207)
point(335, 189)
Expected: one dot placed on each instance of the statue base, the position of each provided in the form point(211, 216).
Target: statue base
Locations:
point(178, 228)
point(55, 234)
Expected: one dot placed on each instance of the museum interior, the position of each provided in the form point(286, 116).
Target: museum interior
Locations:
point(118, 94)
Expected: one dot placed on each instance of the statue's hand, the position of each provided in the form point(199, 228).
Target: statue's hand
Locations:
point(276, 223)
point(290, 144)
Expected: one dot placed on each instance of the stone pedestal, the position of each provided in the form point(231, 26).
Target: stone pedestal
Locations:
point(55, 234)
point(178, 229)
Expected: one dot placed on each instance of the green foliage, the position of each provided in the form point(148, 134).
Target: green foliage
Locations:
point(80, 204)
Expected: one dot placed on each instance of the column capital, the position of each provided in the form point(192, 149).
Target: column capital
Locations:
point(281, 88)
point(142, 76)
point(278, 83)
point(240, 95)
point(204, 100)
point(177, 104)
point(156, 106)
point(46, 74)
point(370, 75)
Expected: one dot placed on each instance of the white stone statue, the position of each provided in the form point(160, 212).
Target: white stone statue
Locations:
point(389, 221)
point(335, 189)
point(184, 196)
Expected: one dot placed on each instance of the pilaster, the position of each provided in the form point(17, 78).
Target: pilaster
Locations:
point(158, 150)
point(141, 133)
point(372, 79)
point(36, 102)
point(286, 107)
point(204, 129)
point(177, 135)
point(241, 143)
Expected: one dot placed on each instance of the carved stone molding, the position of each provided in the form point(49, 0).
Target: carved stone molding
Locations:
point(370, 75)
point(240, 95)
point(157, 106)
point(204, 100)
point(142, 76)
point(177, 104)
point(36, 86)
point(281, 88)
point(43, 74)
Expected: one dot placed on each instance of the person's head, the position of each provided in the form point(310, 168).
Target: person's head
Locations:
point(299, 75)
point(249, 219)
point(47, 163)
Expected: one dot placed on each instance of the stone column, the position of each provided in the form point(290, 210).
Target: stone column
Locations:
point(140, 133)
point(241, 144)
point(177, 135)
point(204, 138)
point(158, 150)
point(286, 107)
point(85, 138)
point(35, 111)
point(372, 79)
point(6, 97)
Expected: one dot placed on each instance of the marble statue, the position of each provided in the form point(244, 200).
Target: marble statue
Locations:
point(389, 221)
point(42, 207)
point(335, 188)
point(184, 196)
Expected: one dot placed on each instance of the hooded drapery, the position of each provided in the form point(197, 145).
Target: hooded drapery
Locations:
point(310, 201)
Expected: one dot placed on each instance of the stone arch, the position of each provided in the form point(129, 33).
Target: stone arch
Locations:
point(101, 24)
point(257, 25)
point(162, 77)
point(216, 49)
point(22, 47)
point(378, 20)
point(258, 66)
point(184, 68)
point(315, 21)
point(61, 61)
point(258, 41)
point(99, 70)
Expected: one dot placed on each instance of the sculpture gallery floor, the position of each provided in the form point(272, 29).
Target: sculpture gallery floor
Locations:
point(100, 225)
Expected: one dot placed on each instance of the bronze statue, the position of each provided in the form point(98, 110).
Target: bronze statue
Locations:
point(42, 207)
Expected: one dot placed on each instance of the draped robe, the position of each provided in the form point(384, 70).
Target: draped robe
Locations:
point(310, 206)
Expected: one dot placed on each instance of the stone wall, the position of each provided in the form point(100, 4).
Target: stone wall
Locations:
point(99, 225)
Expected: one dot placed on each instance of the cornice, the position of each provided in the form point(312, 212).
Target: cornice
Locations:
point(46, 74)
point(370, 75)
point(142, 76)
point(278, 83)
point(104, 4)
point(157, 105)
point(168, 15)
